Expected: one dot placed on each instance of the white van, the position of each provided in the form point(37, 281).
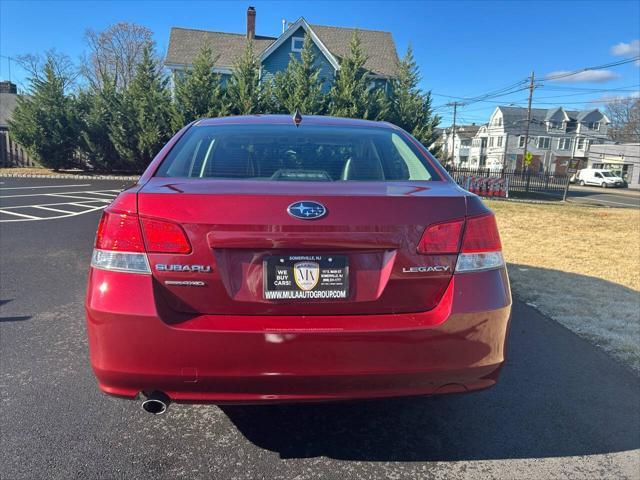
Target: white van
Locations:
point(600, 177)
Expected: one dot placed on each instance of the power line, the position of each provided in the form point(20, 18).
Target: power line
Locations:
point(598, 67)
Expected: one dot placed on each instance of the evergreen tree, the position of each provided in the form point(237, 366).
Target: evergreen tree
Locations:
point(351, 95)
point(97, 108)
point(46, 121)
point(410, 108)
point(243, 88)
point(300, 86)
point(198, 93)
point(145, 115)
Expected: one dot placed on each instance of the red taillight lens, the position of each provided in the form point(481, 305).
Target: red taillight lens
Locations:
point(164, 237)
point(481, 235)
point(119, 231)
point(441, 238)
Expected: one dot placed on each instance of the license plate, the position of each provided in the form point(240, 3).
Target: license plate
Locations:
point(306, 277)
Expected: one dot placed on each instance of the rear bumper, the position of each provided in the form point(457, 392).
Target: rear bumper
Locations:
point(457, 347)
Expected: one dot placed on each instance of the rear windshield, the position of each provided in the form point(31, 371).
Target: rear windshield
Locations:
point(306, 153)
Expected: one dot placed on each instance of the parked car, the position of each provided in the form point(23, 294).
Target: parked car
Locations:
point(600, 177)
point(265, 259)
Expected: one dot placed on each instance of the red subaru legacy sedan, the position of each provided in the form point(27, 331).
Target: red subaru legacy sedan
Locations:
point(265, 259)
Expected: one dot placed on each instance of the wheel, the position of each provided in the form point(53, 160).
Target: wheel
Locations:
point(603, 184)
point(582, 183)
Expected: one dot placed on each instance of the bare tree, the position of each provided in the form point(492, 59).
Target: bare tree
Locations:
point(114, 53)
point(624, 114)
point(61, 64)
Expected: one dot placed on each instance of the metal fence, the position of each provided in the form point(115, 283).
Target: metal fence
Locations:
point(12, 154)
point(525, 181)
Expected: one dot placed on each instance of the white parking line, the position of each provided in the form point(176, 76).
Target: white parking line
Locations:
point(49, 186)
point(53, 209)
point(88, 200)
point(20, 215)
point(62, 195)
point(97, 192)
point(35, 219)
point(59, 203)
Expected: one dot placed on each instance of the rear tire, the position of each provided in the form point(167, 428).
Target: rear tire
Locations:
point(603, 184)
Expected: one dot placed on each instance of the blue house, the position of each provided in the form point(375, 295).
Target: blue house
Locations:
point(331, 44)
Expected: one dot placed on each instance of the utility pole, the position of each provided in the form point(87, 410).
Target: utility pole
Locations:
point(453, 127)
point(526, 131)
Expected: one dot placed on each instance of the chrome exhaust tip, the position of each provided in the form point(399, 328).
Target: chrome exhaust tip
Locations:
point(156, 403)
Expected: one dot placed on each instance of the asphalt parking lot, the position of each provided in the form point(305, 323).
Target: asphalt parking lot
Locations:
point(563, 408)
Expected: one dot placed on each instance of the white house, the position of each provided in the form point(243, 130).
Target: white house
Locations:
point(555, 136)
point(456, 150)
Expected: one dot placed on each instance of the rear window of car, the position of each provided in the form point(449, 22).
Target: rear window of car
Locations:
point(305, 153)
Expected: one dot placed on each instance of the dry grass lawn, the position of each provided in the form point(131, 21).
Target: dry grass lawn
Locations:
point(579, 265)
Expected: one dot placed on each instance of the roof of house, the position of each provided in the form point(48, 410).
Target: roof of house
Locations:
point(377, 46)
point(467, 131)
point(463, 131)
point(512, 116)
point(185, 43)
point(7, 105)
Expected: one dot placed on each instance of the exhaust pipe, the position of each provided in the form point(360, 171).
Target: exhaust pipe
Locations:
point(156, 403)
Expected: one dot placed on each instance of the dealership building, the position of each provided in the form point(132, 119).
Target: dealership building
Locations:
point(623, 158)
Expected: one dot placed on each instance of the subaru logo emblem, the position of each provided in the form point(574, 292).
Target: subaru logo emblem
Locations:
point(307, 210)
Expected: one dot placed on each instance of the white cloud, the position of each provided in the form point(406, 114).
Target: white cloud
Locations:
point(630, 49)
point(593, 76)
point(614, 98)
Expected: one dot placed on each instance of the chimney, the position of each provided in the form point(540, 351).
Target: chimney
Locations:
point(251, 23)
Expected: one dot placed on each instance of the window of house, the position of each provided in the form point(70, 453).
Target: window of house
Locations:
point(465, 142)
point(499, 141)
point(593, 125)
point(521, 141)
point(564, 143)
point(498, 122)
point(544, 142)
point(580, 144)
point(296, 44)
point(491, 141)
point(554, 125)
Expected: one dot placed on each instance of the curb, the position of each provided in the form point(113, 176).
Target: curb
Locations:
point(69, 176)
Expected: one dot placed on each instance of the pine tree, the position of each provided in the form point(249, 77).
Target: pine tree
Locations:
point(243, 88)
point(97, 107)
point(410, 108)
point(145, 115)
point(46, 121)
point(198, 93)
point(300, 86)
point(350, 95)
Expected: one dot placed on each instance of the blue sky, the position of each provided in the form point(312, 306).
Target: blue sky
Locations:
point(464, 49)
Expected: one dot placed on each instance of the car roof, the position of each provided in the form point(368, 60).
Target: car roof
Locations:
point(288, 119)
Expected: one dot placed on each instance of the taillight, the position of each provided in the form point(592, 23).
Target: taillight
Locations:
point(481, 235)
point(119, 231)
point(481, 246)
point(119, 245)
point(164, 237)
point(441, 238)
point(121, 242)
